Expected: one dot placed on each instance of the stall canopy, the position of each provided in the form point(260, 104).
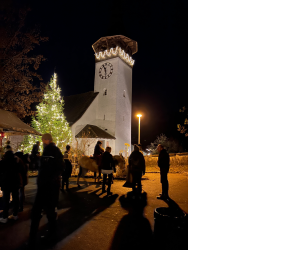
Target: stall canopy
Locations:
point(9, 122)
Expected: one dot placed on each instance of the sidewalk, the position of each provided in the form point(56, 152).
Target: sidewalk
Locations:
point(88, 219)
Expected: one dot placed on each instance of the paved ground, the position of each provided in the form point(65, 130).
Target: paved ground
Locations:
point(90, 220)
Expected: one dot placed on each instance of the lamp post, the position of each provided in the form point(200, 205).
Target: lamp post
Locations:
point(139, 116)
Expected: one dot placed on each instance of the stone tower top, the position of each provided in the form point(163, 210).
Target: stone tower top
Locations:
point(106, 43)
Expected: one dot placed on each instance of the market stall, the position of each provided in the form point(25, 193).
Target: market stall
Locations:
point(12, 126)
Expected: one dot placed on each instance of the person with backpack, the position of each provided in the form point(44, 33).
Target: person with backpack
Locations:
point(11, 180)
point(137, 168)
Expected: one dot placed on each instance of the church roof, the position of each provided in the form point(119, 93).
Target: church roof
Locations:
point(91, 131)
point(76, 105)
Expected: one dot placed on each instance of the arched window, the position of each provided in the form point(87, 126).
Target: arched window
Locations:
point(124, 93)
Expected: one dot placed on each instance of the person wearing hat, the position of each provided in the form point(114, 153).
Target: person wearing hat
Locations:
point(48, 185)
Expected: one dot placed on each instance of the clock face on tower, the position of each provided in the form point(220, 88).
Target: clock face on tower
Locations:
point(106, 71)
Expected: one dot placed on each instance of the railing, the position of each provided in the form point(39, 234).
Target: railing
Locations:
point(178, 163)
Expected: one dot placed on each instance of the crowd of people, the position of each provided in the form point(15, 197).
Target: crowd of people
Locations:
point(54, 171)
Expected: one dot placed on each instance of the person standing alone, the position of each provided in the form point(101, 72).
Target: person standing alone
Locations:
point(164, 165)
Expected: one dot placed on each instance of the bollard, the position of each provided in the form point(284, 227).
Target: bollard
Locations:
point(170, 229)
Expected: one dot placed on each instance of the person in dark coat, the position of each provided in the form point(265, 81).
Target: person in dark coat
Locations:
point(48, 184)
point(108, 167)
point(164, 165)
point(11, 180)
point(98, 151)
point(68, 169)
point(35, 152)
point(137, 168)
point(35, 149)
point(24, 163)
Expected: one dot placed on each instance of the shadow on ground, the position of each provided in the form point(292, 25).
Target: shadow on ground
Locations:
point(82, 206)
point(134, 230)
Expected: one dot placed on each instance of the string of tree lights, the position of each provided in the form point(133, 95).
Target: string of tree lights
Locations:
point(50, 118)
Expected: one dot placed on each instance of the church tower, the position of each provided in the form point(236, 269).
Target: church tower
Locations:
point(113, 82)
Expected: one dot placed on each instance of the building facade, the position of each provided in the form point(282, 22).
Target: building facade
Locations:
point(105, 114)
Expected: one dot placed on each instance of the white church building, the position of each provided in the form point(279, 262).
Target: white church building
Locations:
point(105, 113)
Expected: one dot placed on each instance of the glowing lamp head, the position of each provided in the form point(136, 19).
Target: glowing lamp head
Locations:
point(139, 115)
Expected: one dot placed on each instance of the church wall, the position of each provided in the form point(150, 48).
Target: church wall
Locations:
point(89, 117)
point(114, 110)
point(106, 110)
point(112, 144)
point(86, 118)
point(124, 106)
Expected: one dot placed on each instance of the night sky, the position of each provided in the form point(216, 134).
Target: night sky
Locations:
point(160, 72)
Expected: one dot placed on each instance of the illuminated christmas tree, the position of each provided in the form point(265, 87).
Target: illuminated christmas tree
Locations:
point(50, 118)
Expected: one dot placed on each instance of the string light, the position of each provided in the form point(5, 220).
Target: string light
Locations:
point(113, 52)
point(50, 119)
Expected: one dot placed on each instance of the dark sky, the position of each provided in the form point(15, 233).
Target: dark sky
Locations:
point(160, 72)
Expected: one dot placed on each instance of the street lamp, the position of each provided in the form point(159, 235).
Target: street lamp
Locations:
point(139, 116)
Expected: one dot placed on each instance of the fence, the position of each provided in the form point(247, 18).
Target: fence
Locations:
point(178, 163)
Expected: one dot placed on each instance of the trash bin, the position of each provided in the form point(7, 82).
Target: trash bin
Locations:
point(170, 228)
